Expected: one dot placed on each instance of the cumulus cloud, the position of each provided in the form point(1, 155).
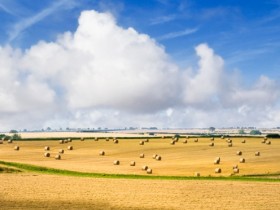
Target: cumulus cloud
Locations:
point(109, 76)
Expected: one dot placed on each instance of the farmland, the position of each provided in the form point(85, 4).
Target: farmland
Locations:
point(134, 188)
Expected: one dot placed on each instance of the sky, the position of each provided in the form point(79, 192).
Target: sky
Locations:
point(150, 63)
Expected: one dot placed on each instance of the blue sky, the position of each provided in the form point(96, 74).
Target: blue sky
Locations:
point(221, 58)
point(245, 33)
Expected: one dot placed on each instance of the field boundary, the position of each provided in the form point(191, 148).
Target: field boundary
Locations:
point(53, 171)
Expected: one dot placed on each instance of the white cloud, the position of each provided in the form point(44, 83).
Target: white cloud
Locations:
point(109, 76)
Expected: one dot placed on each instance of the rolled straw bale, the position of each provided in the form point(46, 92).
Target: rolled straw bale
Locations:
point(132, 163)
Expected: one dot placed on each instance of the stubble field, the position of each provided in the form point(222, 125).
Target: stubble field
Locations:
point(29, 190)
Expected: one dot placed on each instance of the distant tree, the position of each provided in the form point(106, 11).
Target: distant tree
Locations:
point(255, 132)
point(49, 129)
point(212, 129)
point(13, 131)
point(16, 136)
point(241, 131)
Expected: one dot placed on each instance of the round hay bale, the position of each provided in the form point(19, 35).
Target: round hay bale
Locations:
point(47, 148)
point(70, 147)
point(141, 143)
point(211, 144)
point(10, 141)
point(65, 141)
point(218, 170)
point(132, 163)
point(197, 174)
point(142, 155)
point(218, 158)
point(236, 170)
point(212, 139)
point(234, 166)
point(158, 157)
point(176, 139)
point(144, 168)
point(243, 141)
point(257, 153)
point(216, 161)
point(96, 139)
point(146, 140)
point(222, 137)
point(61, 151)
point(172, 142)
point(195, 140)
point(1, 141)
point(238, 153)
point(57, 157)
point(69, 140)
point(47, 154)
point(82, 139)
point(107, 139)
point(61, 141)
point(229, 144)
point(242, 160)
point(265, 138)
point(116, 141)
point(263, 141)
point(149, 171)
point(187, 137)
point(101, 153)
point(185, 141)
point(154, 156)
point(268, 142)
point(16, 148)
point(116, 162)
point(229, 141)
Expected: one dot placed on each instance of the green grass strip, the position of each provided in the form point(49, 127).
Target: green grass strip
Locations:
point(45, 170)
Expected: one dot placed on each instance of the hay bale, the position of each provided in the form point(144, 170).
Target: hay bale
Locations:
point(65, 141)
point(158, 157)
point(69, 140)
point(154, 156)
point(47, 148)
point(116, 141)
point(107, 139)
point(132, 163)
point(238, 153)
point(172, 142)
point(265, 138)
point(116, 162)
point(229, 141)
point(195, 140)
point(10, 141)
point(185, 141)
point(236, 170)
point(102, 153)
point(96, 139)
point(1, 141)
point(149, 171)
point(211, 144)
point(212, 139)
point(222, 137)
point(57, 157)
point(142, 155)
point(242, 160)
point(187, 137)
point(216, 161)
point(144, 168)
point(146, 140)
point(82, 139)
point(197, 174)
point(268, 142)
point(218, 170)
point(263, 141)
point(16, 148)
point(229, 144)
point(243, 141)
point(70, 147)
point(47, 154)
point(61, 151)
point(61, 141)
point(257, 153)
point(141, 143)
point(234, 166)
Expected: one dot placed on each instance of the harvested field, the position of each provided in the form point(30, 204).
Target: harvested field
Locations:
point(39, 191)
point(179, 159)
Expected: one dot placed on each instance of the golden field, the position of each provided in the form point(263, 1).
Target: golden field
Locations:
point(178, 160)
point(33, 190)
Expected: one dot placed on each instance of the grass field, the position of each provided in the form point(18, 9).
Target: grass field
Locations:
point(171, 186)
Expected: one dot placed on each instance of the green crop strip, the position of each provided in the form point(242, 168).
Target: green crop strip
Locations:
point(45, 170)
